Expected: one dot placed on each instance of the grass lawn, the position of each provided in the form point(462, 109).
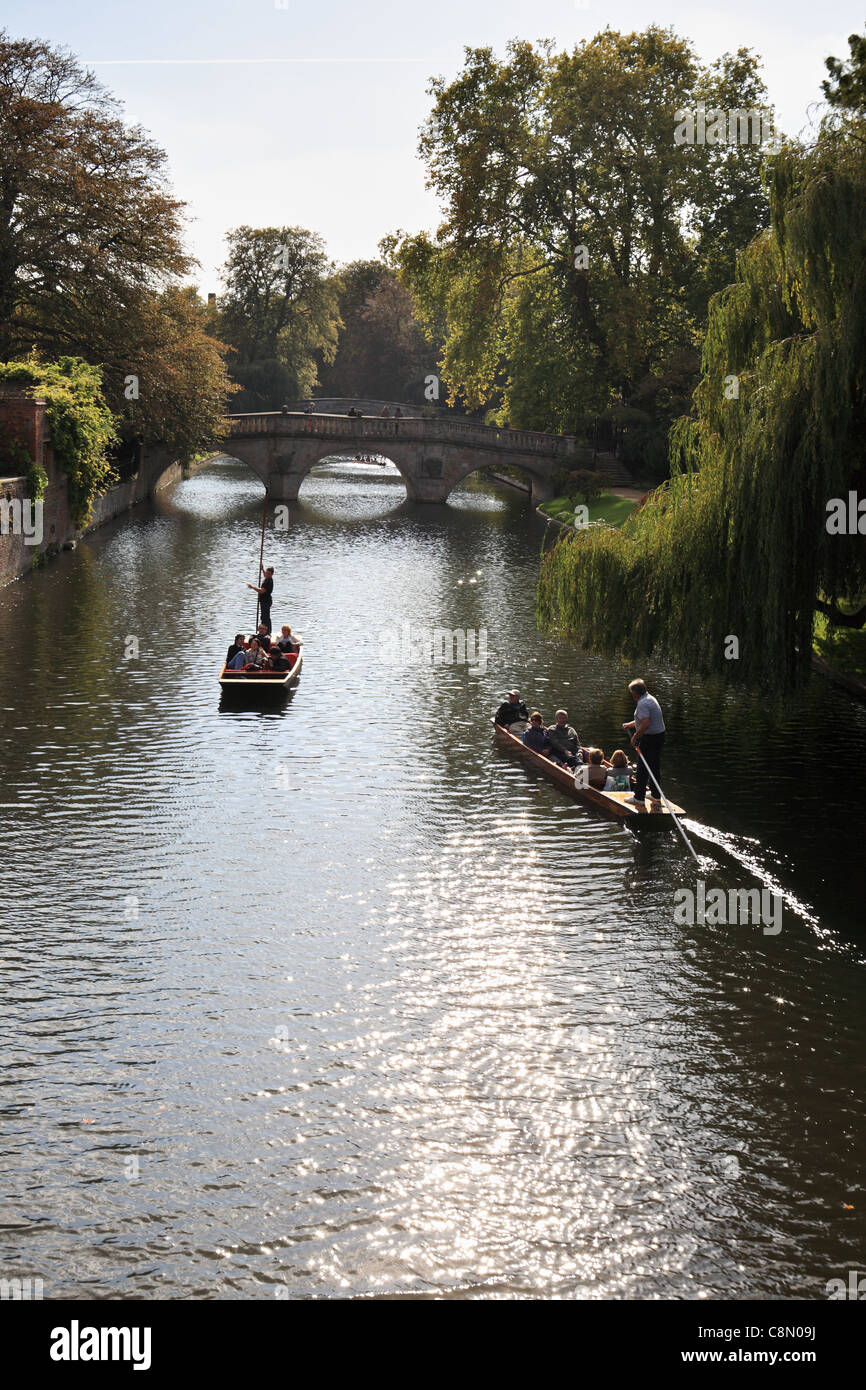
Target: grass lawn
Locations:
point(608, 507)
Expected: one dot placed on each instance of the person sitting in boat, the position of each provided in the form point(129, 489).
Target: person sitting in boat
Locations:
point(619, 777)
point(238, 645)
point(535, 736)
point(513, 714)
point(287, 641)
point(263, 637)
point(597, 769)
point(238, 661)
point(564, 740)
point(254, 654)
point(277, 659)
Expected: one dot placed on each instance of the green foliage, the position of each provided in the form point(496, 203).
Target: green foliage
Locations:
point(279, 307)
point(82, 427)
point(37, 482)
point(585, 486)
point(181, 371)
point(843, 647)
point(736, 543)
point(91, 251)
point(544, 153)
point(382, 351)
point(846, 86)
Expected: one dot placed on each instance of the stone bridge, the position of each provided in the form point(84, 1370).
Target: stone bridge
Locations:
point(432, 455)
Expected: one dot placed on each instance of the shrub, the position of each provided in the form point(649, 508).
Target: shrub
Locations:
point(585, 486)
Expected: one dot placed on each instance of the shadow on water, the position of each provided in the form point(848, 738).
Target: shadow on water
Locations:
point(271, 704)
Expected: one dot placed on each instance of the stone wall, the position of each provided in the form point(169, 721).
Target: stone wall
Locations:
point(24, 418)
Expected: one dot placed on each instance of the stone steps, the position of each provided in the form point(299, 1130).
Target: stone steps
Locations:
point(610, 468)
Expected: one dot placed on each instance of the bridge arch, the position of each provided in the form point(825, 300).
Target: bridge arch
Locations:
point(539, 484)
point(433, 455)
point(346, 454)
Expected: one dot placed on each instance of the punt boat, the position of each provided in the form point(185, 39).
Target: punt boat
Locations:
point(613, 804)
point(261, 685)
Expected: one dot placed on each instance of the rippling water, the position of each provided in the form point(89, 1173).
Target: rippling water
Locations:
point(341, 997)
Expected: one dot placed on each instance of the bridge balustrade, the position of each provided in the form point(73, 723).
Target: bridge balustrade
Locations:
point(408, 428)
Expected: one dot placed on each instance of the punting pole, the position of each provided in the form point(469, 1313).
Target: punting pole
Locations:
point(667, 803)
point(261, 557)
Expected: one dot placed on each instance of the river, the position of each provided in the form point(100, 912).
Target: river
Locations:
point(339, 999)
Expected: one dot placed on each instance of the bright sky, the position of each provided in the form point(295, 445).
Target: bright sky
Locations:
point(308, 114)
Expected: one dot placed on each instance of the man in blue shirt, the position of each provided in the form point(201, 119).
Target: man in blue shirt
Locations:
point(648, 733)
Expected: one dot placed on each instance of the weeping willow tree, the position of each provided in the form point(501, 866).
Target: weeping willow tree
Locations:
point(739, 544)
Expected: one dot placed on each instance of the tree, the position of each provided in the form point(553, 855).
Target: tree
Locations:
point(91, 247)
point(382, 350)
point(180, 375)
point(845, 89)
point(278, 311)
point(579, 243)
point(745, 542)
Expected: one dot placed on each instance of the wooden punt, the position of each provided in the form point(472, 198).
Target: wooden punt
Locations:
point(609, 803)
point(260, 685)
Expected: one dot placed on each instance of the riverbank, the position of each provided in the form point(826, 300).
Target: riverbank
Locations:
point(612, 508)
point(57, 531)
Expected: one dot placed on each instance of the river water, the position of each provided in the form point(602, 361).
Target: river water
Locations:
point(340, 999)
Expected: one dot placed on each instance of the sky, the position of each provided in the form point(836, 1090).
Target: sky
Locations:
point(288, 112)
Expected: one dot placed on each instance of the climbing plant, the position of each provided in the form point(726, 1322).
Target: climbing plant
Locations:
point(82, 426)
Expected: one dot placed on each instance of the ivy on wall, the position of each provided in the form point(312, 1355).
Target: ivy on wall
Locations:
point(82, 426)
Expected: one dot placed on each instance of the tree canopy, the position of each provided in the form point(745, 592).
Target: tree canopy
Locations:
point(741, 542)
point(382, 350)
point(279, 313)
point(580, 243)
point(91, 249)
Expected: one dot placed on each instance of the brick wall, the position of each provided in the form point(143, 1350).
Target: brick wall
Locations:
point(25, 418)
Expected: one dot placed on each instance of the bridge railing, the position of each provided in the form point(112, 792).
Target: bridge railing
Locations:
point(411, 429)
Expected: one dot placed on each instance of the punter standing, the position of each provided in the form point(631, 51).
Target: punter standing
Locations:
point(265, 593)
point(649, 732)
